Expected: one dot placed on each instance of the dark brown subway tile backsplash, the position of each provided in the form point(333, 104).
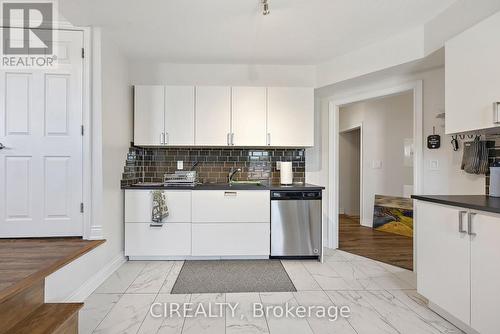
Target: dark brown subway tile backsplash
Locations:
point(214, 164)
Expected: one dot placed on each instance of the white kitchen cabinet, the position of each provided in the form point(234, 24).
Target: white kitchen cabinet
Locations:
point(149, 107)
point(139, 204)
point(179, 115)
point(290, 119)
point(485, 272)
point(458, 268)
point(473, 77)
point(231, 239)
point(443, 254)
point(231, 206)
point(249, 112)
point(213, 116)
point(146, 240)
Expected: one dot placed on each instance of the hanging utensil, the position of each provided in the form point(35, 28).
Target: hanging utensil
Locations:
point(454, 143)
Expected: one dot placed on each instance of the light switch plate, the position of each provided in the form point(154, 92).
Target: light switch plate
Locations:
point(376, 164)
point(434, 165)
point(180, 165)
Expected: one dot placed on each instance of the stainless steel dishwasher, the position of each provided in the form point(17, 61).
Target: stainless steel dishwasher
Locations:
point(296, 224)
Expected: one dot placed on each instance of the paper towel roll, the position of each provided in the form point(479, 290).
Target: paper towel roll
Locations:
point(286, 172)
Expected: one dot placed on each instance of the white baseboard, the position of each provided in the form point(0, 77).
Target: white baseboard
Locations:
point(96, 280)
point(458, 323)
point(367, 223)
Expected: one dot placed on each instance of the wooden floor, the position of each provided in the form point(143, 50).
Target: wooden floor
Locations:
point(25, 261)
point(381, 246)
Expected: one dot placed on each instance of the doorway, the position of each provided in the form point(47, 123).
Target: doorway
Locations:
point(376, 178)
point(41, 160)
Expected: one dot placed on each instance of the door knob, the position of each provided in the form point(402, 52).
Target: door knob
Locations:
point(1, 146)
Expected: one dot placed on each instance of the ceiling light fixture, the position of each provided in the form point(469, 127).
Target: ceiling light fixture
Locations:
point(265, 7)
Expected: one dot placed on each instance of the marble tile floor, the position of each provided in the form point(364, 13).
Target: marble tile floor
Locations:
point(381, 299)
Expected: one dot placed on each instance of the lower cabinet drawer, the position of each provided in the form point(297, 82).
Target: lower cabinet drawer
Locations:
point(172, 239)
point(231, 239)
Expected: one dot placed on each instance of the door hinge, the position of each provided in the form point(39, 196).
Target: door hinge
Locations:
point(83, 53)
point(82, 130)
point(81, 207)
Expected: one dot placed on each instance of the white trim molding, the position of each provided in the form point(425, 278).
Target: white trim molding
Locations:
point(333, 154)
point(89, 286)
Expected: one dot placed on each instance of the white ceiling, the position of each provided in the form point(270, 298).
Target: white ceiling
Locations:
point(234, 31)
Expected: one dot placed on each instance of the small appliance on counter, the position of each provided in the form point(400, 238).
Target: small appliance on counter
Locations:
point(495, 179)
point(286, 173)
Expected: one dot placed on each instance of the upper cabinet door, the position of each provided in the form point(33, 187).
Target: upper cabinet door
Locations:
point(149, 107)
point(485, 272)
point(179, 115)
point(249, 113)
point(290, 116)
point(473, 77)
point(213, 116)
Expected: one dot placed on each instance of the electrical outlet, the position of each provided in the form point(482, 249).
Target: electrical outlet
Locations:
point(376, 164)
point(180, 165)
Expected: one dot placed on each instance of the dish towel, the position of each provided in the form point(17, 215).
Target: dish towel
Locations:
point(475, 158)
point(160, 209)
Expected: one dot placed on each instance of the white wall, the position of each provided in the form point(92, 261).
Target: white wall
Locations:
point(116, 137)
point(350, 172)
point(151, 73)
point(387, 122)
point(447, 179)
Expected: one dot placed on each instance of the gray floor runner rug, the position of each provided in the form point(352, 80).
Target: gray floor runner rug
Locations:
point(226, 276)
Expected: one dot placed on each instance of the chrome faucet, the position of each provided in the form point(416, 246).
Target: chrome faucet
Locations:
point(232, 172)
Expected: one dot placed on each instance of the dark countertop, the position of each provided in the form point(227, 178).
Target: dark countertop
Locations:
point(216, 186)
point(474, 202)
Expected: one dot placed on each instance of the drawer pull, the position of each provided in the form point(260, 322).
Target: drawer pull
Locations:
point(461, 221)
point(156, 225)
point(469, 224)
point(230, 193)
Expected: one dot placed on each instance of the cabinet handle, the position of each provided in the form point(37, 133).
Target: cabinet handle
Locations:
point(230, 193)
point(268, 139)
point(166, 138)
point(496, 112)
point(461, 221)
point(162, 138)
point(156, 225)
point(228, 139)
point(469, 223)
point(232, 139)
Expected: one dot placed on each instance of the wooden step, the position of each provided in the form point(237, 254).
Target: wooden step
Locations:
point(50, 319)
point(24, 262)
point(17, 307)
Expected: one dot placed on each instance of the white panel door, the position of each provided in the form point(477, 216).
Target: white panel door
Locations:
point(290, 116)
point(249, 114)
point(443, 258)
point(485, 273)
point(213, 115)
point(473, 77)
point(149, 110)
point(41, 164)
point(179, 115)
